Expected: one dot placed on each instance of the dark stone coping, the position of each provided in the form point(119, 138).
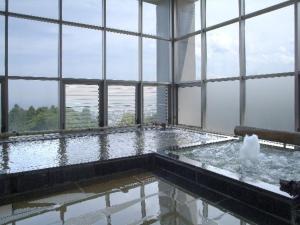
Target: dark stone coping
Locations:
point(197, 178)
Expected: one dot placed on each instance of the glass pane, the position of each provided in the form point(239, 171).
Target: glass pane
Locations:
point(122, 57)
point(83, 11)
point(155, 104)
point(189, 106)
point(188, 59)
point(270, 103)
point(39, 56)
point(2, 5)
point(188, 18)
point(33, 105)
point(82, 106)
point(121, 105)
point(223, 52)
point(254, 5)
point(223, 106)
point(2, 45)
point(122, 14)
point(218, 11)
point(270, 42)
point(156, 61)
point(42, 8)
point(156, 17)
point(82, 53)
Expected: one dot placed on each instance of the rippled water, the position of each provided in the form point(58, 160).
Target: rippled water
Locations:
point(29, 155)
point(273, 164)
point(136, 199)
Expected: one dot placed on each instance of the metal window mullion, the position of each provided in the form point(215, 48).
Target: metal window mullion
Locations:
point(297, 66)
point(173, 98)
point(203, 64)
point(139, 87)
point(4, 87)
point(62, 114)
point(104, 91)
point(242, 61)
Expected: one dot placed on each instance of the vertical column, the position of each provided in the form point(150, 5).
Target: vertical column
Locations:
point(203, 63)
point(173, 98)
point(139, 87)
point(4, 89)
point(61, 84)
point(242, 56)
point(297, 66)
point(104, 89)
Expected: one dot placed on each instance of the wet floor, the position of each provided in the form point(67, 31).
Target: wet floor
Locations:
point(140, 198)
point(31, 155)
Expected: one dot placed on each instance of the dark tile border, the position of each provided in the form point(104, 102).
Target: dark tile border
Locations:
point(199, 180)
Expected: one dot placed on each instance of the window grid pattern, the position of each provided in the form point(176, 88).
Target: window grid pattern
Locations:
point(62, 20)
point(242, 77)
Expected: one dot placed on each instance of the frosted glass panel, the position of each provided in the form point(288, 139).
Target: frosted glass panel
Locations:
point(2, 5)
point(42, 8)
point(82, 56)
point(189, 106)
point(254, 5)
point(270, 103)
point(223, 52)
point(188, 17)
point(156, 60)
point(270, 42)
point(222, 106)
point(218, 11)
point(188, 59)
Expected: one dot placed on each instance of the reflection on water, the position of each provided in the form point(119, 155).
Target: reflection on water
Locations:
point(135, 199)
point(23, 156)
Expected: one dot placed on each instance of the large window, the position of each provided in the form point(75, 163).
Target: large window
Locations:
point(188, 17)
point(218, 11)
point(122, 57)
point(270, 42)
point(122, 14)
point(155, 104)
point(188, 59)
point(121, 105)
point(189, 106)
point(83, 11)
point(42, 8)
point(156, 60)
point(223, 52)
point(82, 106)
point(270, 103)
point(33, 105)
point(32, 48)
point(2, 5)
point(82, 53)
point(156, 17)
